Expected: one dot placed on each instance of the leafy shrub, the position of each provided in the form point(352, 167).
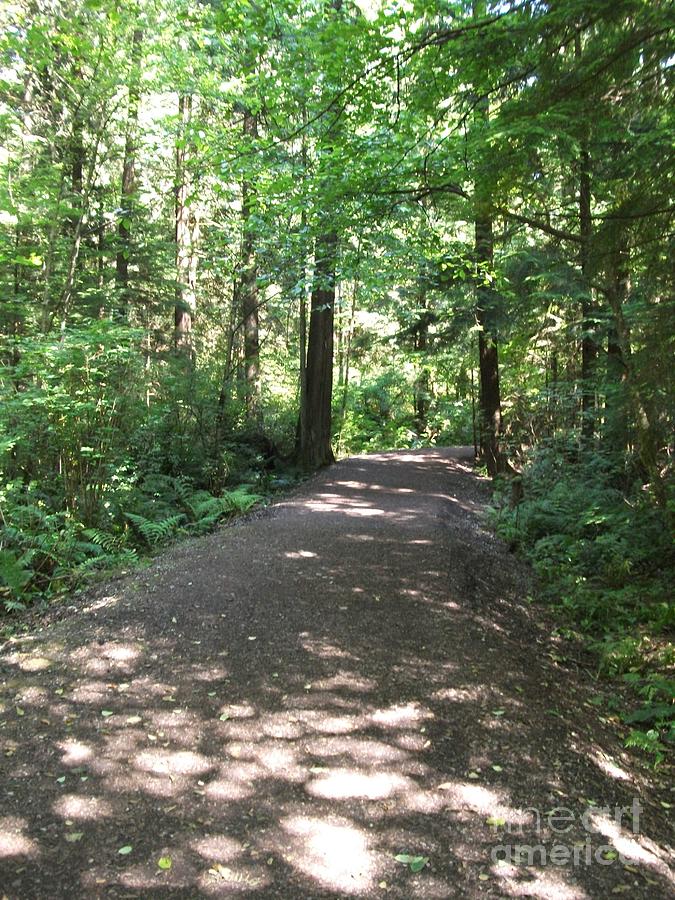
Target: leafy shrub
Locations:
point(45, 551)
point(605, 558)
point(103, 458)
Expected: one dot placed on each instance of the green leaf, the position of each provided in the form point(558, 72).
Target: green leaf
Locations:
point(126, 850)
point(164, 862)
point(418, 863)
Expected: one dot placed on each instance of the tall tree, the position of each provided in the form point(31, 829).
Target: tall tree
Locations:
point(128, 186)
point(486, 296)
point(249, 285)
point(315, 434)
point(315, 448)
point(186, 234)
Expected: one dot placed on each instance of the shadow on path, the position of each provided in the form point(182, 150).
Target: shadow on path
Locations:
point(283, 707)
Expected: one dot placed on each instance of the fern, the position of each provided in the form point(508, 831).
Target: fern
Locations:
point(126, 557)
point(206, 523)
point(111, 543)
point(13, 573)
point(204, 510)
point(648, 742)
point(14, 605)
point(155, 533)
point(240, 501)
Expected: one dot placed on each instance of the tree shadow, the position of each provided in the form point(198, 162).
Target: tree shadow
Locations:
point(283, 708)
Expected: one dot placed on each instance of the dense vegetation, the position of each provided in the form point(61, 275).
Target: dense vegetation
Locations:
point(237, 238)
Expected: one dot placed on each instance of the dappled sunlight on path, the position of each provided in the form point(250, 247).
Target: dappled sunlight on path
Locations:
point(284, 707)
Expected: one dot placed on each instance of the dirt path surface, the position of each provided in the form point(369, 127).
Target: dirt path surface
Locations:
point(283, 707)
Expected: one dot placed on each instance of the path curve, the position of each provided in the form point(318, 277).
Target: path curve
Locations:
point(283, 707)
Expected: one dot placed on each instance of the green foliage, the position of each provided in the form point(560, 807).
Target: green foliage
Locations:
point(379, 415)
point(155, 533)
point(45, 551)
point(257, 129)
point(605, 558)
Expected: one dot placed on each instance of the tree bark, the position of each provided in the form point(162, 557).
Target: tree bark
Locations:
point(186, 237)
point(348, 354)
point(616, 404)
point(128, 188)
point(644, 412)
point(490, 418)
point(249, 291)
point(421, 395)
point(589, 349)
point(315, 433)
point(488, 356)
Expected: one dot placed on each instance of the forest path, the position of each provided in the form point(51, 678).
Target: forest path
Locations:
point(282, 707)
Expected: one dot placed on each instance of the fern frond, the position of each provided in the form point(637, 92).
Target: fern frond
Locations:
point(155, 533)
point(111, 543)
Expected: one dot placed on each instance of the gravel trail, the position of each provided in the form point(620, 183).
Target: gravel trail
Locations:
point(280, 709)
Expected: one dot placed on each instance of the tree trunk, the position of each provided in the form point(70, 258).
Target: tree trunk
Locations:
point(249, 291)
point(128, 180)
point(589, 349)
point(488, 358)
point(421, 396)
point(186, 236)
point(76, 164)
point(617, 403)
point(490, 418)
point(315, 433)
point(348, 354)
point(302, 350)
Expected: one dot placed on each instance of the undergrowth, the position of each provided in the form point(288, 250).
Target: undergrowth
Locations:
point(603, 553)
point(46, 550)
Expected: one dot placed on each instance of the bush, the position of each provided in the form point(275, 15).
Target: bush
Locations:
point(605, 558)
point(103, 459)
